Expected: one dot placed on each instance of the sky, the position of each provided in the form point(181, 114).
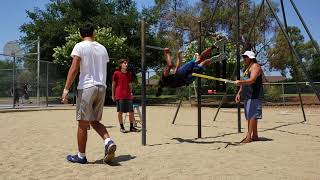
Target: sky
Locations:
point(13, 15)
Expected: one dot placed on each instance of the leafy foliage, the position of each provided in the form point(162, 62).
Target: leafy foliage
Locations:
point(282, 59)
point(103, 35)
point(273, 93)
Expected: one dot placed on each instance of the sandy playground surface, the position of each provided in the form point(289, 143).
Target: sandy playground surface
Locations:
point(34, 146)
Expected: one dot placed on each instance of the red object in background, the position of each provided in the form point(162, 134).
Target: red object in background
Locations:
point(210, 91)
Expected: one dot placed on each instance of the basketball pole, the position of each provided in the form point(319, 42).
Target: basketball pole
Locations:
point(38, 71)
point(14, 81)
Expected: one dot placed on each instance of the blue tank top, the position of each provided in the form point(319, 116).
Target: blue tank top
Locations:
point(254, 90)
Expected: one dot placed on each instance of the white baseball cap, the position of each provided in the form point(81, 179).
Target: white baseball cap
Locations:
point(250, 54)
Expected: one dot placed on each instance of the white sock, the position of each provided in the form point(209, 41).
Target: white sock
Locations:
point(81, 155)
point(106, 141)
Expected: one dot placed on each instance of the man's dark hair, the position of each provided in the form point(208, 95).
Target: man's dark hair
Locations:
point(87, 30)
point(255, 60)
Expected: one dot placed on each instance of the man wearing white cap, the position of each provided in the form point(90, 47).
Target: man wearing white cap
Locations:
point(252, 89)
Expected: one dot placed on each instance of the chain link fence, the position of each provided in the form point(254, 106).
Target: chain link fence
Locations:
point(20, 86)
point(287, 93)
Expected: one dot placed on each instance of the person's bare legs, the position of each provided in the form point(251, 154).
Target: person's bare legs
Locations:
point(169, 65)
point(249, 133)
point(131, 117)
point(100, 129)
point(255, 136)
point(110, 146)
point(120, 117)
point(82, 135)
point(248, 124)
point(203, 55)
point(133, 123)
point(205, 62)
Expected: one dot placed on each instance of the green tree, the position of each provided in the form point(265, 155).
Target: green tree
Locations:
point(60, 15)
point(312, 60)
point(314, 68)
point(54, 22)
point(103, 35)
point(281, 57)
point(176, 23)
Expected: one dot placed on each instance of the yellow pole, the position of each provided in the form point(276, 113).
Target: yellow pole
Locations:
point(213, 78)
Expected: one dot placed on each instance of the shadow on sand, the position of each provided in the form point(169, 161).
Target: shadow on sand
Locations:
point(116, 161)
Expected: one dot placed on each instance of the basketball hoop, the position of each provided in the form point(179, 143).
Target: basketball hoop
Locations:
point(12, 48)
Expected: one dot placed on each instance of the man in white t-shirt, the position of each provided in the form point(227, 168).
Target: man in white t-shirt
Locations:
point(90, 58)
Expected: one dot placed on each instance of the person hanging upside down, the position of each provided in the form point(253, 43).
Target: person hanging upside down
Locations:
point(182, 75)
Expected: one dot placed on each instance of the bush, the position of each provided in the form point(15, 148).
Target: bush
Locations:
point(183, 92)
point(231, 89)
point(273, 93)
point(58, 88)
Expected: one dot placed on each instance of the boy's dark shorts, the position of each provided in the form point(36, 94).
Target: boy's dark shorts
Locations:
point(124, 105)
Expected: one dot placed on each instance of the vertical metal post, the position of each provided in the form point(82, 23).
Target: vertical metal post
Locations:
point(199, 85)
point(148, 77)
point(195, 89)
point(218, 74)
point(189, 94)
point(224, 71)
point(254, 29)
point(14, 81)
point(47, 85)
point(238, 61)
point(38, 71)
point(284, 103)
point(143, 86)
point(293, 63)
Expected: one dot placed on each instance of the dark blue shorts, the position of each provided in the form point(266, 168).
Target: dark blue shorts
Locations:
point(253, 109)
point(189, 68)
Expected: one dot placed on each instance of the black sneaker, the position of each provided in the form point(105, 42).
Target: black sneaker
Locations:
point(123, 130)
point(133, 129)
point(109, 151)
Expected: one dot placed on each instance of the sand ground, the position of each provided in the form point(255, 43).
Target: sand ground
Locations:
point(34, 146)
